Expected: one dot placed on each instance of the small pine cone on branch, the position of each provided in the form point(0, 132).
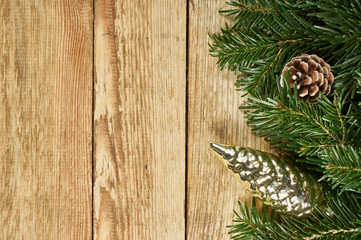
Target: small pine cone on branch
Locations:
point(312, 74)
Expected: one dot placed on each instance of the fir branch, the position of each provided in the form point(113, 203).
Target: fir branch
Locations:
point(250, 223)
point(314, 119)
point(342, 166)
point(253, 9)
point(345, 223)
point(251, 12)
point(262, 28)
point(264, 36)
point(334, 233)
point(290, 125)
point(267, 69)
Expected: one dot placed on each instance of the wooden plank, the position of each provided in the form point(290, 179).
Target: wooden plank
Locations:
point(139, 119)
point(213, 116)
point(45, 119)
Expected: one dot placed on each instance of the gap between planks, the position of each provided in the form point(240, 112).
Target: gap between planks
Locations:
point(186, 125)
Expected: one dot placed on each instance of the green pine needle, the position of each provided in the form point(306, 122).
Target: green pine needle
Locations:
point(342, 166)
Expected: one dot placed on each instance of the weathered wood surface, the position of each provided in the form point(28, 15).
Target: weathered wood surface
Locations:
point(213, 116)
point(132, 110)
point(45, 119)
point(139, 119)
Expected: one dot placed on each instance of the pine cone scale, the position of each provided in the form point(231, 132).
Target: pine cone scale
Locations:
point(313, 89)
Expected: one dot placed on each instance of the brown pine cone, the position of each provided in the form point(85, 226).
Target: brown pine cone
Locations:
point(312, 74)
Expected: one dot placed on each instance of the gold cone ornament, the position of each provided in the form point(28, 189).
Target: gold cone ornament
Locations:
point(312, 74)
point(273, 180)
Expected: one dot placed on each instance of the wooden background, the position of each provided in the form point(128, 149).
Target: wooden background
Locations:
point(107, 108)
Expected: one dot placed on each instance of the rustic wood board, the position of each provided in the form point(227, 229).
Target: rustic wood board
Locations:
point(133, 108)
point(213, 116)
point(45, 119)
point(139, 119)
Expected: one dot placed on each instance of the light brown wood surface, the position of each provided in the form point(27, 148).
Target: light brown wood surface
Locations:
point(45, 119)
point(213, 116)
point(107, 109)
point(139, 119)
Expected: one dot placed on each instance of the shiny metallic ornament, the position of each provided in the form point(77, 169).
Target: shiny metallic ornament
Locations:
point(276, 182)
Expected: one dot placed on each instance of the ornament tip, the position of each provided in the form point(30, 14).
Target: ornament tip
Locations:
point(223, 150)
point(217, 147)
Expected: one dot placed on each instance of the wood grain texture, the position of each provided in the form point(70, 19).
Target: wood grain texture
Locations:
point(139, 128)
point(213, 116)
point(45, 119)
point(139, 119)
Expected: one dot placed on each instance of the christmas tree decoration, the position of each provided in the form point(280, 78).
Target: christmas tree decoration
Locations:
point(312, 74)
point(261, 40)
point(277, 183)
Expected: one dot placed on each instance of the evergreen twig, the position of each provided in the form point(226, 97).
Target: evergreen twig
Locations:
point(345, 222)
